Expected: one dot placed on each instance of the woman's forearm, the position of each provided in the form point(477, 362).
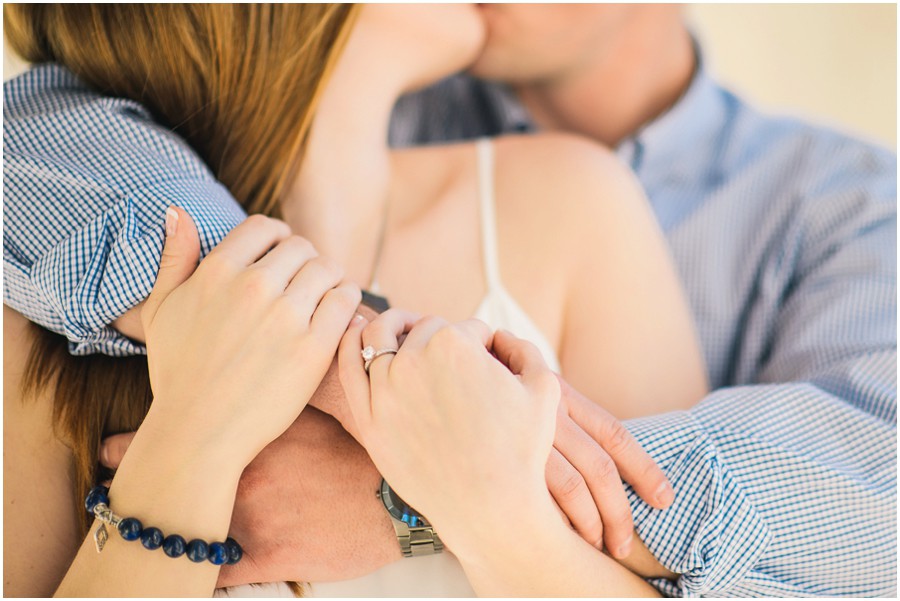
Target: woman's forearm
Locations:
point(536, 555)
point(180, 488)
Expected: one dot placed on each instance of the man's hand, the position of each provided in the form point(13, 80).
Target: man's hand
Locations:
point(591, 450)
point(306, 508)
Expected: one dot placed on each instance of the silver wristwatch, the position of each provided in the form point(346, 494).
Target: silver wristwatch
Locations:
point(416, 536)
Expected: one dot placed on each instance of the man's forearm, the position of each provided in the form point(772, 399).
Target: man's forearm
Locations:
point(756, 496)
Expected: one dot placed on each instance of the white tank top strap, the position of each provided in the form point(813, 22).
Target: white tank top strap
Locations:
point(488, 216)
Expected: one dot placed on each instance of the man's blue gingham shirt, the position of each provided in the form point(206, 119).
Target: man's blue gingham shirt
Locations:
point(785, 236)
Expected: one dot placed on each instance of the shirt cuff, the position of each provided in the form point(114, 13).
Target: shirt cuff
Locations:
point(108, 266)
point(712, 535)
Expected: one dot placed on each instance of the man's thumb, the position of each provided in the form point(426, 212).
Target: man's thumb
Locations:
point(112, 449)
point(179, 260)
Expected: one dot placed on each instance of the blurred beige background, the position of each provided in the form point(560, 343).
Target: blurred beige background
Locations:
point(832, 63)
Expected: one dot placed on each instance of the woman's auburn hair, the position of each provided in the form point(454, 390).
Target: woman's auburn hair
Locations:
point(239, 82)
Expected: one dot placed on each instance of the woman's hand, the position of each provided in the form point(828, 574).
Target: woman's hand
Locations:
point(455, 432)
point(237, 347)
point(465, 439)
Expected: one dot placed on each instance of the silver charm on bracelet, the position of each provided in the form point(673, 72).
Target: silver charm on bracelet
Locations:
point(103, 513)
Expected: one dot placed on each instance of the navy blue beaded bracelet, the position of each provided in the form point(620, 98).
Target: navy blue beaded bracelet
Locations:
point(97, 504)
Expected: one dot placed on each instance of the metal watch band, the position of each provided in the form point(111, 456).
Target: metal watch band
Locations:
point(418, 541)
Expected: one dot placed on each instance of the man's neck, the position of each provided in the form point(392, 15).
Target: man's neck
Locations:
point(611, 97)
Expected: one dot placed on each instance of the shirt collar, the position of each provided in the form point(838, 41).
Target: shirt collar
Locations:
point(512, 114)
point(657, 152)
point(692, 123)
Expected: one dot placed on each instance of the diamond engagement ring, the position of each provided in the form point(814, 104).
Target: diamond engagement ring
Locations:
point(369, 354)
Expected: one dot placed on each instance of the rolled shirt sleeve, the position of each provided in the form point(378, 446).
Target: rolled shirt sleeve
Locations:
point(86, 183)
point(771, 500)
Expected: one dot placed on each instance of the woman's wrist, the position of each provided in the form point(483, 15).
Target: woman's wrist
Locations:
point(166, 481)
point(203, 439)
point(473, 535)
point(495, 561)
point(535, 554)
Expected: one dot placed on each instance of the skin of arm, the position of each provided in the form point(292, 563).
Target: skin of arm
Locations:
point(624, 291)
point(497, 567)
point(313, 490)
point(161, 482)
point(40, 527)
point(177, 489)
point(335, 472)
point(185, 461)
point(317, 460)
point(628, 341)
point(596, 190)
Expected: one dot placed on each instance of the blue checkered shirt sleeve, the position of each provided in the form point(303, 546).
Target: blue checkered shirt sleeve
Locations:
point(86, 181)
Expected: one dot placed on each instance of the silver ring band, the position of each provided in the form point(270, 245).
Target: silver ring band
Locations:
point(369, 354)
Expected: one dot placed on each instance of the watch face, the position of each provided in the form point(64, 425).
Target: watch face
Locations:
point(400, 509)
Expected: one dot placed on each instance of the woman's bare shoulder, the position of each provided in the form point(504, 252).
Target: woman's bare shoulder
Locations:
point(562, 181)
point(572, 168)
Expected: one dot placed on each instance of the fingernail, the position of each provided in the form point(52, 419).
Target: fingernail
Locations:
point(104, 455)
point(664, 494)
point(625, 549)
point(599, 545)
point(171, 221)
